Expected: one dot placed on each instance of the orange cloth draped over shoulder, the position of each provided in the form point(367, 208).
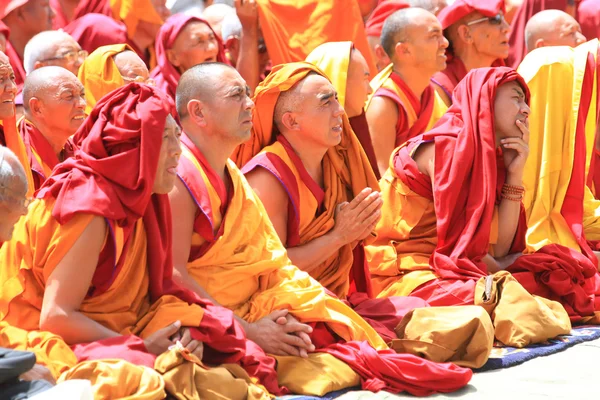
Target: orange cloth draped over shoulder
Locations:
point(444, 233)
point(10, 137)
point(415, 116)
point(455, 71)
point(100, 75)
point(294, 28)
point(132, 291)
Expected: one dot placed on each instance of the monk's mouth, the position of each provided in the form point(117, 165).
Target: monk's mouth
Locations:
point(11, 101)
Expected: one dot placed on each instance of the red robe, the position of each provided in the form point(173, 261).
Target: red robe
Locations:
point(384, 9)
point(588, 15)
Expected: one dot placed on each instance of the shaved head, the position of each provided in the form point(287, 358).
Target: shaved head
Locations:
point(399, 27)
point(552, 28)
point(198, 83)
point(291, 100)
point(433, 6)
point(131, 66)
point(48, 45)
point(44, 81)
point(13, 195)
point(215, 14)
point(12, 173)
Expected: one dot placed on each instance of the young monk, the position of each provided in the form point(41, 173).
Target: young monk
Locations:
point(349, 74)
point(108, 68)
point(552, 28)
point(54, 102)
point(91, 262)
point(478, 36)
point(225, 248)
point(374, 25)
point(25, 19)
point(404, 103)
point(182, 42)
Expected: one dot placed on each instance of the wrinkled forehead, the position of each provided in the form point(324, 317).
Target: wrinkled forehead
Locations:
point(314, 85)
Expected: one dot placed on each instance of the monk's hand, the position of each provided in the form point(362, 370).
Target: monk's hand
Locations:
point(38, 372)
point(184, 336)
point(272, 335)
point(518, 151)
point(247, 12)
point(356, 219)
point(161, 340)
point(299, 329)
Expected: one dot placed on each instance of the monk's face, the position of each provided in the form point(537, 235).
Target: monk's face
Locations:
point(67, 54)
point(38, 15)
point(489, 37)
point(8, 88)
point(566, 32)
point(358, 88)
point(509, 107)
point(195, 44)
point(170, 150)
point(426, 44)
point(132, 68)
point(60, 107)
point(319, 115)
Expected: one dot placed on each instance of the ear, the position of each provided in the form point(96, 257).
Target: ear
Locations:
point(464, 33)
point(172, 57)
point(539, 43)
point(400, 50)
point(35, 106)
point(232, 44)
point(195, 111)
point(381, 55)
point(288, 120)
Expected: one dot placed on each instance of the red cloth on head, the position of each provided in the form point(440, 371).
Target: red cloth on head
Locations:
point(35, 141)
point(588, 15)
point(461, 8)
point(112, 175)
point(528, 9)
point(384, 9)
point(92, 6)
point(8, 6)
point(165, 74)
point(468, 175)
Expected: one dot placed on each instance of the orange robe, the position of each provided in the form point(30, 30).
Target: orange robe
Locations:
point(9, 137)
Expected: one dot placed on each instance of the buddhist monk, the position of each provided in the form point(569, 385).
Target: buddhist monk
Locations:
point(53, 48)
point(54, 102)
point(225, 248)
point(588, 15)
point(426, 214)
point(182, 42)
point(25, 19)
point(373, 28)
point(215, 14)
point(433, 6)
point(348, 71)
point(101, 225)
point(478, 36)
point(552, 28)
point(108, 68)
point(404, 103)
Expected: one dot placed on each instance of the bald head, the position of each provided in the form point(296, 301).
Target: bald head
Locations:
point(215, 14)
point(12, 173)
point(291, 101)
point(552, 28)
point(131, 67)
point(198, 83)
point(403, 26)
point(46, 81)
point(433, 6)
point(52, 48)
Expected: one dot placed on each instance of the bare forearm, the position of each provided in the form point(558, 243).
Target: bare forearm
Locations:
point(247, 63)
point(74, 327)
point(312, 254)
point(508, 220)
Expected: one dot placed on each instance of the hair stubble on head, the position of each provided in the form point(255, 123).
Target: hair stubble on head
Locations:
point(12, 173)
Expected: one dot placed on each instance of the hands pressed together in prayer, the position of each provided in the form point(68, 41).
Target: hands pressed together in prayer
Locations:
point(515, 160)
point(161, 340)
point(279, 333)
point(355, 220)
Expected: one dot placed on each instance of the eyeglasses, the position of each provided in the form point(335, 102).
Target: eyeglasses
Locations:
point(495, 20)
point(140, 79)
point(70, 57)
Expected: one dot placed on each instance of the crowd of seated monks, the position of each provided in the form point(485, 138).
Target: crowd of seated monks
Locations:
point(246, 199)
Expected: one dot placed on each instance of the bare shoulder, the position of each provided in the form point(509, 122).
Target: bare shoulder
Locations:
point(268, 188)
point(180, 198)
point(424, 157)
point(382, 107)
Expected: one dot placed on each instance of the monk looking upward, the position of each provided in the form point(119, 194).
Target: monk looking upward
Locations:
point(552, 28)
point(478, 36)
point(225, 247)
point(54, 102)
point(404, 103)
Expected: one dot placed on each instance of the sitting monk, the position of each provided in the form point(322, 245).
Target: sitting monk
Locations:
point(182, 42)
point(225, 248)
point(25, 19)
point(91, 261)
point(552, 28)
point(430, 167)
point(53, 48)
point(108, 68)
point(373, 28)
point(54, 103)
point(478, 36)
point(348, 71)
point(405, 103)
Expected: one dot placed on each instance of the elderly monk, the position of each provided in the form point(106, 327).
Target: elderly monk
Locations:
point(108, 68)
point(225, 248)
point(348, 71)
point(54, 102)
point(560, 206)
point(588, 15)
point(373, 28)
point(182, 42)
point(525, 12)
point(433, 6)
point(25, 19)
point(101, 225)
point(405, 103)
point(552, 28)
point(478, 36)
point(215, 14)
point(53, 48)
